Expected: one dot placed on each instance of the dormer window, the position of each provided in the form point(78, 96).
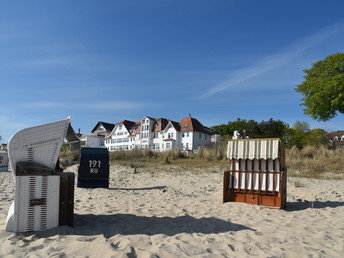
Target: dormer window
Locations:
point(185, 126)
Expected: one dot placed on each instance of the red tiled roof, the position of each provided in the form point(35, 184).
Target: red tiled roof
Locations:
point(136, 127)
point(127, 123)
point(160, 124)
point(185, 125)
point(332, 135)
point(192, 124)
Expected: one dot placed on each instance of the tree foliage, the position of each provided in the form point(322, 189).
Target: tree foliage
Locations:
point(253, 129)
point(323, 88)
point(298, 135)
point(301, 126)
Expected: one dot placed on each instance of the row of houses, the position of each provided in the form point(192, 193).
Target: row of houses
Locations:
point(157, 134)
point(336, 139)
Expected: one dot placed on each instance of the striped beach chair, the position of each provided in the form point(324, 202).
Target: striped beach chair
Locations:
point(257, 172)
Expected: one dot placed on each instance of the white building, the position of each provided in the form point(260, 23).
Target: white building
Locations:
point(97, 135)
point(158, 134)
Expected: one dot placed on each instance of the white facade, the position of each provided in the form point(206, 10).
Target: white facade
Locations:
point(3, 159)
point(94, 141)
point(144, 136)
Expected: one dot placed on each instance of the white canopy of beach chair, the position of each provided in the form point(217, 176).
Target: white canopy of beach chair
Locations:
point(36, 198)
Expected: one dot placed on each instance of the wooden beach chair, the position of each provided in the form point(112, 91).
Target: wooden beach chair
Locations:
point(257, 172)
point(33, 154)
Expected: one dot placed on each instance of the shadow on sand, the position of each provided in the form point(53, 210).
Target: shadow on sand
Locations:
point(298, 206)
point(129, 224)
point(140, 189)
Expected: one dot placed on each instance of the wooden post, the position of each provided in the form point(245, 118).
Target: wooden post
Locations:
point(226, 175)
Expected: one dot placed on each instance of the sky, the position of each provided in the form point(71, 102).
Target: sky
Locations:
point(115, 60)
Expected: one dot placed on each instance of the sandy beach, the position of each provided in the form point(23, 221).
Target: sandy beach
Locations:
point(173, 214)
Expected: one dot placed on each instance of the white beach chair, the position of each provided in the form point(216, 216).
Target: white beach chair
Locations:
point(36, 197)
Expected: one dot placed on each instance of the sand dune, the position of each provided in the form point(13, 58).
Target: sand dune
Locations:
point(169, 214)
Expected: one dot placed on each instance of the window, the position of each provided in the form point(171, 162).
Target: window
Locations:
point(171, 135)
point(200, 135)
point(162, 146)
point(187, 134)
point(120, 127)
point(187, 146)
point(205, 136)
point(183, 135)
point(168, 145)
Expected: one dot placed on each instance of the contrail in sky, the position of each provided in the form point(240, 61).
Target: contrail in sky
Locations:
point(272, 61)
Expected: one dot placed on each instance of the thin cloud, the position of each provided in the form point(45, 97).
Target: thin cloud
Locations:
point(272, 61)
point(103, 105)
point(50, 62)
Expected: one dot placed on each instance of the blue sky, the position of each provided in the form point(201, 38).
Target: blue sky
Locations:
point(115, 60)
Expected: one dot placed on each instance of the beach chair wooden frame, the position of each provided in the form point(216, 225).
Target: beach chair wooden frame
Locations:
point(257, 172)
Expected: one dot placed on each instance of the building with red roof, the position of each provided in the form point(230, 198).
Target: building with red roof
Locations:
point(158, 134)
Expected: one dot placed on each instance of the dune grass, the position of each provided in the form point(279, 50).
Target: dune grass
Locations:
point(310, 162)
point(175, 158)
point(315, 162)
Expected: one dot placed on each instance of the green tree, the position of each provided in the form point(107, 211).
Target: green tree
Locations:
point(301, 126)
point(323, 88)
point(273, 129)
point(254, 129)
point(316, 137)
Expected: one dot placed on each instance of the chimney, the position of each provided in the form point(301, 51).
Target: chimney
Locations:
point(79, 131)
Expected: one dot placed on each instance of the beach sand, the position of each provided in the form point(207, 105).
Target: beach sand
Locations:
point(172, 214)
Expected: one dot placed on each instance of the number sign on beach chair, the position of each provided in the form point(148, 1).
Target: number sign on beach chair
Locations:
point(257, 173)
point(93, 168)
point(33, 154)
